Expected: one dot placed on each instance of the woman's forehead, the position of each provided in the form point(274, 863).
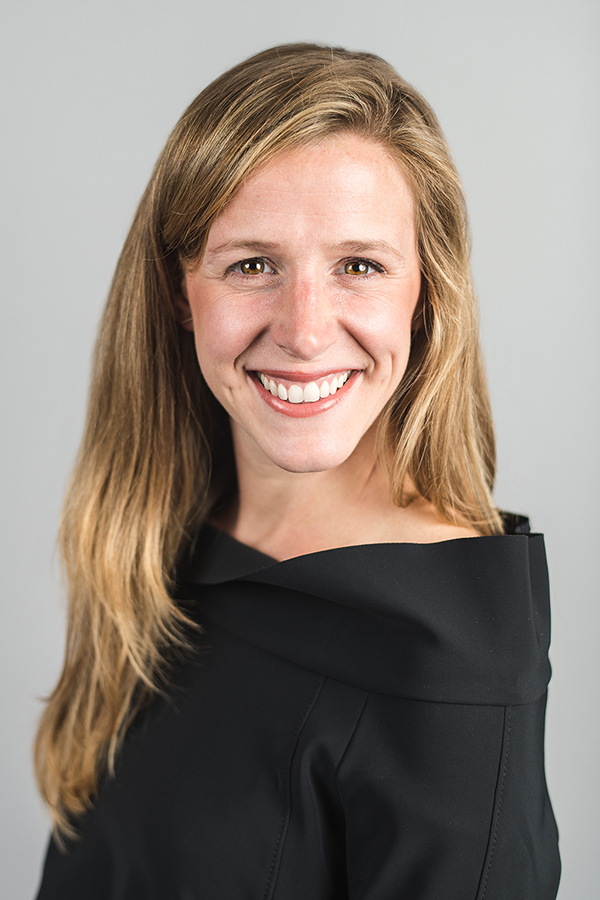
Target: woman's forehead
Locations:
point(346, 184)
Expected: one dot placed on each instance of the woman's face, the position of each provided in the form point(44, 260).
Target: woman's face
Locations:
point(303, 301)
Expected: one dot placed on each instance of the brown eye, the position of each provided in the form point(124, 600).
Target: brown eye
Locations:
point(357, 267)
point(252, 267)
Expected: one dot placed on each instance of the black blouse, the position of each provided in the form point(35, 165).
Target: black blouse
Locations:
point(364, 723)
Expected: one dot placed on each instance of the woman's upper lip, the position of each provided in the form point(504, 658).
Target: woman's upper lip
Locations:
point(304, 377)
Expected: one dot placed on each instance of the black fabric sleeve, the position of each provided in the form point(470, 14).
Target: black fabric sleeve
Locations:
point(448, 802)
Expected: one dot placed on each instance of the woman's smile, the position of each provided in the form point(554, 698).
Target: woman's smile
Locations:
point(303, 302)
point(303, 388)
point(302, 395)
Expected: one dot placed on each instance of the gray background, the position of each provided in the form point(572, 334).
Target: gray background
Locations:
point(90, 92)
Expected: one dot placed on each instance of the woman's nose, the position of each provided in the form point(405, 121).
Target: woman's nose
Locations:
point(305, 325)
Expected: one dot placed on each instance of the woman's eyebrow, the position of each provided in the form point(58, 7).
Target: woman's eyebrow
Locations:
point(359, 247)
point(251, 247)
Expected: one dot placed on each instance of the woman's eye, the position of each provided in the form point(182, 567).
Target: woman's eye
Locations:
point(360, 267)
point(254, 266)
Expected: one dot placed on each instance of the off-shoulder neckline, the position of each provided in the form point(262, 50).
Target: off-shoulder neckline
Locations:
point(215, 555)
point(459, 621)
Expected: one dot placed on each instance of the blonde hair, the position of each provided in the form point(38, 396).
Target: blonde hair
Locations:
point(156, 452)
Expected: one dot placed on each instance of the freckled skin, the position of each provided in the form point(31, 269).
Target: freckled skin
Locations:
point(283, 287)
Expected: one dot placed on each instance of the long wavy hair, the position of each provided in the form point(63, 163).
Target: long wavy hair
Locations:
point(156, 453)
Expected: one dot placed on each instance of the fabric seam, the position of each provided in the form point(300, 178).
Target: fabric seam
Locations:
point(354, 730)
point(286, 784)
point(498, 804)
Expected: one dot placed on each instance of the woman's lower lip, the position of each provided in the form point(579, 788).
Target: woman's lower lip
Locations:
point(303, 410)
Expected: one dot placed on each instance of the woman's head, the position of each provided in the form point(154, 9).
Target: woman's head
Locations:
point(297, 96)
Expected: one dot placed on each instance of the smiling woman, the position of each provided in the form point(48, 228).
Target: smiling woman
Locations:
point(307, 657)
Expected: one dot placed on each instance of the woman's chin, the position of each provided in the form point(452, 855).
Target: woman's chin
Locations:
point(300, 459)
point(306, 466)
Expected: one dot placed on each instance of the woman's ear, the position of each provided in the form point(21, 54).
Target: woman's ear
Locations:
point(183, 310)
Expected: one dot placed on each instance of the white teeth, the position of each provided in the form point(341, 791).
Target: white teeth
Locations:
point(295, 394)
point(311, 392)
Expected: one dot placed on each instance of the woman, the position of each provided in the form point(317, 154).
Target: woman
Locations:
point(307, 657)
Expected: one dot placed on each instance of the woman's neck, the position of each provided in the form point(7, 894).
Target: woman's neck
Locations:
point(287, 514)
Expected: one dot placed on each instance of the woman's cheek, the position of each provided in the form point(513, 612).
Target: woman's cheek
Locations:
point(224, 331)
